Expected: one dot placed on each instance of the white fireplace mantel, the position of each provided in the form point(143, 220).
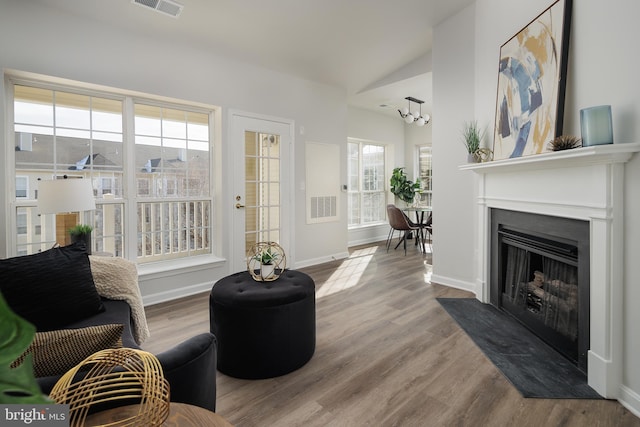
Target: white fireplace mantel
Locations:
point(584, 183)
point(597, 154)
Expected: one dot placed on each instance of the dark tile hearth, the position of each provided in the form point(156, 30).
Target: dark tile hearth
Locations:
point(534, 368)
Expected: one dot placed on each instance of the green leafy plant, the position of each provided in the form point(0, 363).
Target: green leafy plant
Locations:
point(17, 384)
point(80, 230)
point(402, 187)
point(266, 256)
point(472, 136)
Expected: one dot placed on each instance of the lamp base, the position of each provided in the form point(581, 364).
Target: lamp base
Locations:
point(63, 223)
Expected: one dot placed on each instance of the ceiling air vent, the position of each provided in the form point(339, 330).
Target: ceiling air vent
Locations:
point(167, 7)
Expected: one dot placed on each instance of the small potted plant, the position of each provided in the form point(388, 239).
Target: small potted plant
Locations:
point(402, 187)
point(81, 233)
point(267, 257)
point(472, 138)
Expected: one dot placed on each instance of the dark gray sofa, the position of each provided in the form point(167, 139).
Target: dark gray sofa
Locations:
point(32, 286)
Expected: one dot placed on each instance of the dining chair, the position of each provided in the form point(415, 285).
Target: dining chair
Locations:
point(399, 221)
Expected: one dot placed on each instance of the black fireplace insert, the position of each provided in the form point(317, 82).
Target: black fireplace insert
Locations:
point(540, 276)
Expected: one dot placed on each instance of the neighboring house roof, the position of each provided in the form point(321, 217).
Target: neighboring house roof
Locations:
point(149, 157)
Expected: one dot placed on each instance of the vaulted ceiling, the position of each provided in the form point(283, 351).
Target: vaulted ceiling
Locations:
point(378, 51)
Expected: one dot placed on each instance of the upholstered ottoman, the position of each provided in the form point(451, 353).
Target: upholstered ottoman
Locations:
point(264, 329)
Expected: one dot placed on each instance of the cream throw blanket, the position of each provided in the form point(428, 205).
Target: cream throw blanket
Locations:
point(117, 278)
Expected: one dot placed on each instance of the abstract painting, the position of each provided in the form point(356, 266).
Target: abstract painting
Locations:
point(531, 84)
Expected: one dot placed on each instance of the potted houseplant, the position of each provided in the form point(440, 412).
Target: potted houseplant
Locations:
point(472, 138)
point(266, 258)
point(81, 233)
point(17, 383)
point(402, 187)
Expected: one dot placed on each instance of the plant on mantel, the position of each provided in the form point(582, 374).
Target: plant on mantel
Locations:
point(472, 139)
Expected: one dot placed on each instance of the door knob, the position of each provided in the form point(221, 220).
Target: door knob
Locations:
point(238, 206)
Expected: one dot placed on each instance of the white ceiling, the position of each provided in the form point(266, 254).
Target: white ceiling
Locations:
point(377, 50)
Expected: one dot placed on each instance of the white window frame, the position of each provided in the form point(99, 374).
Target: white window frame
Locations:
point(426, 182)
point(360, 192)
point(128, 199)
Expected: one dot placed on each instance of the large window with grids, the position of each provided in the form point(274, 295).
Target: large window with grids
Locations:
point(149, 163)
point(366, 188)
point(423, 156)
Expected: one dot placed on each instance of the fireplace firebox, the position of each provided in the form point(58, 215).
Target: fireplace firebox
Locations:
point(540, 276)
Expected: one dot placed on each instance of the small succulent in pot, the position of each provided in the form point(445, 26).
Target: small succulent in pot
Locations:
point(80, 230)
point(82, 233)
point(564, 142)
point(267, 256)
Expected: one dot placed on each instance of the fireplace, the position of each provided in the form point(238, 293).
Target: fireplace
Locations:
point(585, 184)
point(540, 276)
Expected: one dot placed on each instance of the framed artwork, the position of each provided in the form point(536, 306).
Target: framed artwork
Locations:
point(531, 84)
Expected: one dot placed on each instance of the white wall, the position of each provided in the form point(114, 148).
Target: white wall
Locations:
point(413, 137)
point(454, 191)
point(36, 39)
point(602, 70)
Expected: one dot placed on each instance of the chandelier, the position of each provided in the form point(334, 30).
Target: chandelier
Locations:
point(415, 116)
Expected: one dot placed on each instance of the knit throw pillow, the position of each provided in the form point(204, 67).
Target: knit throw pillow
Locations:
point(56, 352)
point(51, 289)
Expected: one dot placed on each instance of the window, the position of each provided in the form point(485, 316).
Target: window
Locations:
point(22, 187)
point(367, 197)
point(21, 222)
point(172, 174)
point(424, 170)
point(63, 130)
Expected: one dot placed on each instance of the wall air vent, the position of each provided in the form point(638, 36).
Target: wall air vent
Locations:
point(167, 7)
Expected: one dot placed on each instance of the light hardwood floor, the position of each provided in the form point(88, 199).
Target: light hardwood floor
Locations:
point(386, 354)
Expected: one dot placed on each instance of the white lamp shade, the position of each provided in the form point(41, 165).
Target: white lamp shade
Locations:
point(409, 118)
point(405, 111)
point(420, 121)
point(65, 195)
point(426, 118)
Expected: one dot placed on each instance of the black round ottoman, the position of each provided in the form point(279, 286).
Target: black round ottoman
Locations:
point(264, 329)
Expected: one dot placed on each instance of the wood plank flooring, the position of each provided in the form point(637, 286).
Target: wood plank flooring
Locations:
point(387, 354)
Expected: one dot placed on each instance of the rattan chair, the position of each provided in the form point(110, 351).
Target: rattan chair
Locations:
point(112, 378)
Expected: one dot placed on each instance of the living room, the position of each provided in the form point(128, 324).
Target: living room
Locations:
point(58, 44)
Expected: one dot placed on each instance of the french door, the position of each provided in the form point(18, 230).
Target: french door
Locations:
point(261, 170)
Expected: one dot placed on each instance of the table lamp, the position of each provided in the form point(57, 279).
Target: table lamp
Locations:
point(64, 197)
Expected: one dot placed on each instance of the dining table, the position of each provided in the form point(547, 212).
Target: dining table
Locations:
point(420, 213)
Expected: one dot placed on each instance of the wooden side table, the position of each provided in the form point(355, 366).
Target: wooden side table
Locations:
point(180, 415)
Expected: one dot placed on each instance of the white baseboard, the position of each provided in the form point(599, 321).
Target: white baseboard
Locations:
point(321, 260)
point(454, 283)
point(182, 292)
point(630, 400)
point(367, 241)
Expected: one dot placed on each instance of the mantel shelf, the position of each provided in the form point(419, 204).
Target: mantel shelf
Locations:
point(584, 156)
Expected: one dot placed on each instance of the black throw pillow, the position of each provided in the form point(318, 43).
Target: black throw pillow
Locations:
point(52, 288)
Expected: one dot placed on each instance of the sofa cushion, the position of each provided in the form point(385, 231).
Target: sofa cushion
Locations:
point(115, 312)
point(52, 288)
point(56, 352)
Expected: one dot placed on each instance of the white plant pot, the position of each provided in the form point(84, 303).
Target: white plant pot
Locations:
point(266, 270)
